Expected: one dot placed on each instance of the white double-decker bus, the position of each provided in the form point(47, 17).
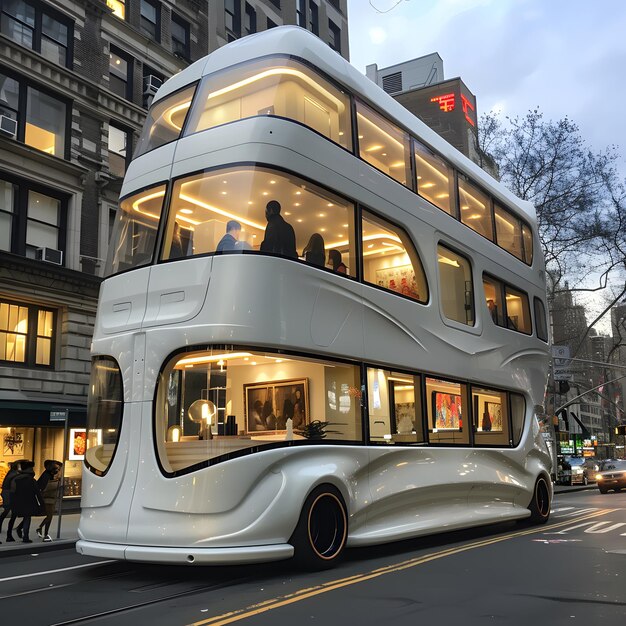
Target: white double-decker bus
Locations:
point(322, 326)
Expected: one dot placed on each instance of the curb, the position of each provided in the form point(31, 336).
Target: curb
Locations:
point(576, 488)
point(61, 544)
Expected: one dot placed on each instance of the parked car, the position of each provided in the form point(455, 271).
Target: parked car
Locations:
point(612, 476)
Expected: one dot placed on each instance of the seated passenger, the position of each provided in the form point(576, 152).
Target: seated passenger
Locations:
point(334, 256)
point(314, 251)
point(280, 237)
point(230, 241)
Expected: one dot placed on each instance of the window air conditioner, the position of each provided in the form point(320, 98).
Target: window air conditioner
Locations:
point(8, 126)
point(50, 255)
point(151, 85)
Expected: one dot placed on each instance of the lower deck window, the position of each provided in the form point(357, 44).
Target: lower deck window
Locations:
point(491, 417)
point(219, 402)
point(447, 410)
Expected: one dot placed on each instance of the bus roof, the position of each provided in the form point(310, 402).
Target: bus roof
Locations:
point(299, 42)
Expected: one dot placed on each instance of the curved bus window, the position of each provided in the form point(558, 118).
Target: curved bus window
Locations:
point(508, 232)
point(135, 230)
point(383, 145)
point(104, 414)
point(165, 121)
point(518, 412)
point(455, 286)
point(435, 178)
point(218, 402)
point(389, 259)
point(280, 87)
point(527, 237)
point(394, 407)
point(517, 311)
point(491, 417)
point(540, 320)
point(447, 411)
point(475, 206)
point(494, 298)
point(224, 211)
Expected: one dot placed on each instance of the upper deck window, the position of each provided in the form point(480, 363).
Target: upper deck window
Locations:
point(509, 307)
point(475, 208)
point(383, 145)
point(389, 259)
point(540, 320)
point(224, 211)
point(509, 232)
point(527, 237)
point(435, 178)
point(455, 286)
point(165, 121)
point(135, 230)
point(283, 88)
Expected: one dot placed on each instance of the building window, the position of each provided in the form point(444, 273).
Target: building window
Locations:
point(314, 22)
point(26, 334)
point(301, 13)
point(250, 20)
point(383, 145)
point(119, 144)
point(120, 73)
point(180, 37)
point(118, 7)
point(284, 88)
point(232, 19)
point(36, 26)
point(435, 178)
point(455, 286)
point(150, 19)
point(475, 208)
point(271, 24)
point(335, 36)
point(394, 407)
point(276, 3)
point(31, 218)
point(44, 124)
point(390, 260)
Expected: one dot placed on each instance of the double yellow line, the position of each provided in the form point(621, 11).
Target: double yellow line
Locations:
point(304, 594)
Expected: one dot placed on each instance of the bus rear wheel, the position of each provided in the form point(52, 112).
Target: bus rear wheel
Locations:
point(540, 504)
point(320, 536)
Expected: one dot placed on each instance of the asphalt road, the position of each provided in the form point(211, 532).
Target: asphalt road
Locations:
point(570, 571)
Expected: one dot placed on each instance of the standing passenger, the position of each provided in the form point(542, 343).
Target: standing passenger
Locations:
point(280, 237)
point(334, 256)
point(314, 251)
point(230, 241)
point(25, 501)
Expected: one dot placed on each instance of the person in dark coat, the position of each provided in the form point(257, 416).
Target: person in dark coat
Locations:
point(25, 500)
point(49, 483)
point(334, 256)
point(230, 241)
point(280, 237)
point(14, 470)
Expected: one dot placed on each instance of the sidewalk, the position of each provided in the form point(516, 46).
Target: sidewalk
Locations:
point(69, 536)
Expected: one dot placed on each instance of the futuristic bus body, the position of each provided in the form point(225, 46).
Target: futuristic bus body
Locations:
point(248, 402)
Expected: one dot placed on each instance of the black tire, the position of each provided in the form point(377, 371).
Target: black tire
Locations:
point(539, 506)
point(320, 536)
point(603, 489)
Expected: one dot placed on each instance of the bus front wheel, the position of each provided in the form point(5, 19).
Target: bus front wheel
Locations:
point(322, 530)
point(540, 504)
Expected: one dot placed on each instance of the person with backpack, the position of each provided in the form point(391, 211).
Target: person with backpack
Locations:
point(49, 483)
point(25, 501)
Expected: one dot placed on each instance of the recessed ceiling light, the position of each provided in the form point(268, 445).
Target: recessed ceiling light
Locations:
point(323, 230)
point(265, 193)
point(288, 212)
point(298, 193)
point(330, 204)
point(272, 182)
point(296, 204)
point(186, 211)
point(321, 215)
point(299, 221)
point(224, 193)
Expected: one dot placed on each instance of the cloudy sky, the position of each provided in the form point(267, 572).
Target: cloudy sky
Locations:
point(567, 57)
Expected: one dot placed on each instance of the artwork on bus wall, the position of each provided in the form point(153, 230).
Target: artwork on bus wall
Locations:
point(399, 279)
point(405, 417)
point(493, 411)
point(13, 444)
point(447, 411)
point(270, 405)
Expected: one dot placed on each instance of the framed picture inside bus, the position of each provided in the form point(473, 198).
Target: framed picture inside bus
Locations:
point(446, 411)
point(400, 279)
point(270, 405)
point(494, 412)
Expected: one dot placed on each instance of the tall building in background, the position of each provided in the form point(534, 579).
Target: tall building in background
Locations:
point(76, 79)
point(445, 105)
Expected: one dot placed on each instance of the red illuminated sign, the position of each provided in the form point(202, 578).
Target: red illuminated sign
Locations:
point(467, 107)
point(446, 102)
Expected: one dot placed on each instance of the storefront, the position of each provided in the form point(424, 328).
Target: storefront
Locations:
point(36, 431)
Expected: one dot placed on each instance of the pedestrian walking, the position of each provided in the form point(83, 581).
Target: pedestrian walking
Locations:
point(14, 468)
point(49, 483)
point(26, 501)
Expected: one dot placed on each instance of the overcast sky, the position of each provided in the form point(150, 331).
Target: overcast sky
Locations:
point(567, 57)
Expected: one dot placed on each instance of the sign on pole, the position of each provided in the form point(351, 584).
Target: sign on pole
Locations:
point(59, 415)
point(561, 363)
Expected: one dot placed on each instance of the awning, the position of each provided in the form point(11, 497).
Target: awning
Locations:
point(32, 413)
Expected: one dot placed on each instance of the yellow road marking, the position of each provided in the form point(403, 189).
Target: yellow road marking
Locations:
point(303, 594)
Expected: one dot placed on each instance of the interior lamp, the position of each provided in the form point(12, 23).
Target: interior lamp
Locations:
point(173, 433)
point(202, 412)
